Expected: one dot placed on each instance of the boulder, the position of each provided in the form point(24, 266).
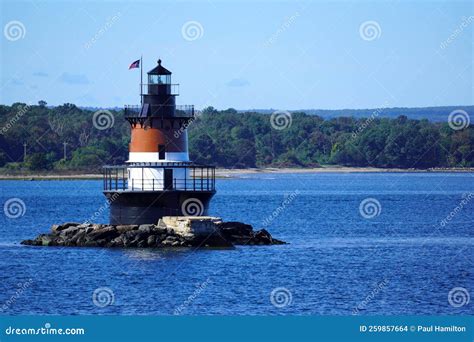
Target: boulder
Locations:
point(98, 226)
point(141, 236)
point(90, 243)
point(55, 228)
point(236, 231)
point(125, 228)
point(147, 228)
point(131, 234)
point(46, 240)
point(142, 244)
point(157, 230)
point(168, 240)
point(133, 238)
point(67, 225)
point(108, 233)
point(102, 242)
point(214, 240)
point(151, 241)
point(70, 231)
point(30, 242)
point(78, 237)
point(263, 237)
point(236, 228)
point(117, 242)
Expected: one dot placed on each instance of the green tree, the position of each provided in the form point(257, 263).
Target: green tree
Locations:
point(37, 162)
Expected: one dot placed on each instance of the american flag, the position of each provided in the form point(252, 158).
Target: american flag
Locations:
point(134, 65)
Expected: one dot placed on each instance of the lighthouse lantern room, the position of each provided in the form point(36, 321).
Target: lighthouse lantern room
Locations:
point(158, 178)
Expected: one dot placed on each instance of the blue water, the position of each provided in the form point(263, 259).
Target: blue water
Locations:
point(336, 259)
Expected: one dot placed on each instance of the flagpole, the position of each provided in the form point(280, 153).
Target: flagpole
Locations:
point(141, 80)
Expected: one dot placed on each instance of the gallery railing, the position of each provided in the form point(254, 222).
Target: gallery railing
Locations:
point(159, 89)
point(197, 178)
point(159, 111)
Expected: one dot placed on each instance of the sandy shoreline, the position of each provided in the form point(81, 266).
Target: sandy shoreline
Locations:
point(231, 173)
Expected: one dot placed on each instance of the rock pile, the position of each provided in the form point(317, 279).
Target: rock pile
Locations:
point(225, 234)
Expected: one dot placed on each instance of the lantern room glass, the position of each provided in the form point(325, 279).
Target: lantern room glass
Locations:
point(159, 79)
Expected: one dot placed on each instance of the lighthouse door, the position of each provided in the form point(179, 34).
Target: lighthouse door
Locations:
point(168, 179)
point(161, 152)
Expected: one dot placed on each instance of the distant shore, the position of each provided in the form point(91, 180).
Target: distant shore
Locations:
point(235, 173)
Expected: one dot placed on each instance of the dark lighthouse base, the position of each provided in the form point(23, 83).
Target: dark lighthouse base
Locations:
point(147, 207)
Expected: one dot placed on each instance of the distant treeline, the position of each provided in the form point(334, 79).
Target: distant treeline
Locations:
point(231, 139)
point(436, 114)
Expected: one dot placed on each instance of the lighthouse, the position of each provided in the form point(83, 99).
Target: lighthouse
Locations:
point(158, 178)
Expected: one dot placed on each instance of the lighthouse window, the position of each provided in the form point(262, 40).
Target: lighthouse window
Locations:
point(161, 152)
point(159, 79)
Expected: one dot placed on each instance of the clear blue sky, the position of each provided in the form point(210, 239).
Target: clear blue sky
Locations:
point(285, 55)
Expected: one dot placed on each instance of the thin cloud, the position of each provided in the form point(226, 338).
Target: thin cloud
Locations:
point(40, 74)
point(16, 81)
point(238, 82)
point(74, 78)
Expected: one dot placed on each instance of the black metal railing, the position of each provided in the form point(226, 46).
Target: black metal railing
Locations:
point(197, 178)
point(159, 111)
point(159, 89)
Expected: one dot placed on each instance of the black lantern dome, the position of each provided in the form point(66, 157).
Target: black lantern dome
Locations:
point(159, 75)
point(159, 99)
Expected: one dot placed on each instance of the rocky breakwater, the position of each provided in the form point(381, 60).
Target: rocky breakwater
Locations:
point(170, 231)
